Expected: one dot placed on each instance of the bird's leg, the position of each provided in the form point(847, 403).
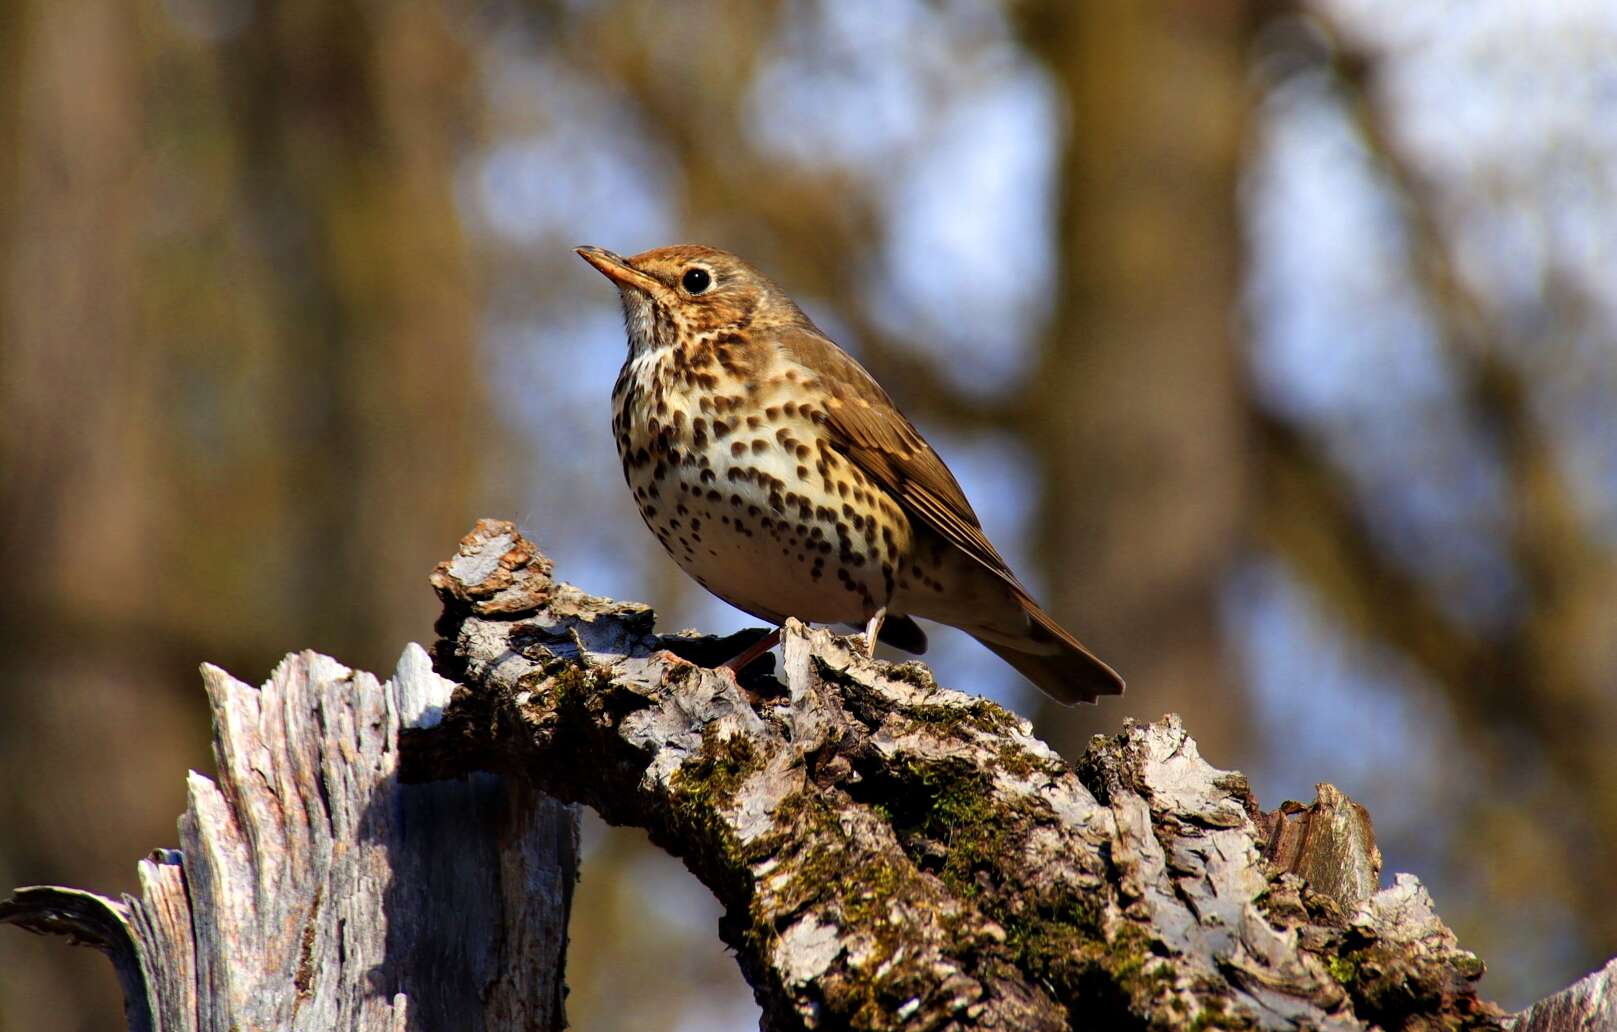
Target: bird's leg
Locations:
point(753, 651)
point(872, 630)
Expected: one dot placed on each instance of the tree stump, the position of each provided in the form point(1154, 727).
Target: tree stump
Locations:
point(312, 890)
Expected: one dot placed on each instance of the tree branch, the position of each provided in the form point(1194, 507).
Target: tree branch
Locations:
point(893, 854)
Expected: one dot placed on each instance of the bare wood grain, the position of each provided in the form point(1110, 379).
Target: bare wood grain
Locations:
point(312, 890)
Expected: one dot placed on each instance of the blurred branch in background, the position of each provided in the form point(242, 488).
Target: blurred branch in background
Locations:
point(1531, 690)
point(1135, 408)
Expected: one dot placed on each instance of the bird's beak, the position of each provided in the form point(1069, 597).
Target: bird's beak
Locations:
point(617, 269)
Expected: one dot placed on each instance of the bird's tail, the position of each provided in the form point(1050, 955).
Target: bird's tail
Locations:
point(1056, 662)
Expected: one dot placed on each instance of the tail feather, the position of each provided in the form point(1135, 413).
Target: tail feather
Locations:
point(1056, 662)
point(903, 633)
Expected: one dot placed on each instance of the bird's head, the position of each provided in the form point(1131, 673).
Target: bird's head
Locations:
point(677, 296)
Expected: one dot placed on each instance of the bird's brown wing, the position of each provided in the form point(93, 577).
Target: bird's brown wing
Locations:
point(867, 427)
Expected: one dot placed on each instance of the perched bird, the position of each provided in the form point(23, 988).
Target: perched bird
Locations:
point(780, 476)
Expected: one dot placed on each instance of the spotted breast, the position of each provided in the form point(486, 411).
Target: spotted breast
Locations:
point(733, 472)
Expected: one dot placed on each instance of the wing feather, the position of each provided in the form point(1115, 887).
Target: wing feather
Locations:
point(871, 432)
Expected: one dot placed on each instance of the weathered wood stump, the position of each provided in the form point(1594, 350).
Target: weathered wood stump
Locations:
point(312, 890)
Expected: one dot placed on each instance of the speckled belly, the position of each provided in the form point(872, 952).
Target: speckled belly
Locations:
point(764, 514)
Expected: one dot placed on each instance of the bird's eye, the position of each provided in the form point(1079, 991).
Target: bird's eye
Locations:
point(695, 280)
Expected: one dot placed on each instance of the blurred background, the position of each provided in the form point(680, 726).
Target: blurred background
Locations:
point(1275, 342)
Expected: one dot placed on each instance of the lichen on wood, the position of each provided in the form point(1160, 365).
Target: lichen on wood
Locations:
point(893, 854)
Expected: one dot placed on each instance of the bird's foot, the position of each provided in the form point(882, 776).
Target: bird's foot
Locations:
point(752, 652)
point(873, 631)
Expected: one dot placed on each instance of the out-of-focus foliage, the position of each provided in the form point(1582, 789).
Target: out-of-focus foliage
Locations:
point(1277, 346)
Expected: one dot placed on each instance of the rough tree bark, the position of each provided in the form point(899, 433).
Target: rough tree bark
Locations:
point(889, 853)
point(893, 854)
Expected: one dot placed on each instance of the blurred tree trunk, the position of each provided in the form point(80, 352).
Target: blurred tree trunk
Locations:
point(348, 119)
point(219, 335)
point(1137, 410)
point(76, 458)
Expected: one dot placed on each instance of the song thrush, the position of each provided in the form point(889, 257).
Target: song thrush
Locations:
point(781, 477)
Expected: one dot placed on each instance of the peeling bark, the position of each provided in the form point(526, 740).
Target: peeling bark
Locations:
point(893, 854)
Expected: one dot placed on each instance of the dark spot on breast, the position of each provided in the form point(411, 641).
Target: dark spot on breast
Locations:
point(802, 472)
point(754, 423)
point(738, 449)
point(708, 476)
point(720, 429)
point(772, 413)
point(759, 447)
